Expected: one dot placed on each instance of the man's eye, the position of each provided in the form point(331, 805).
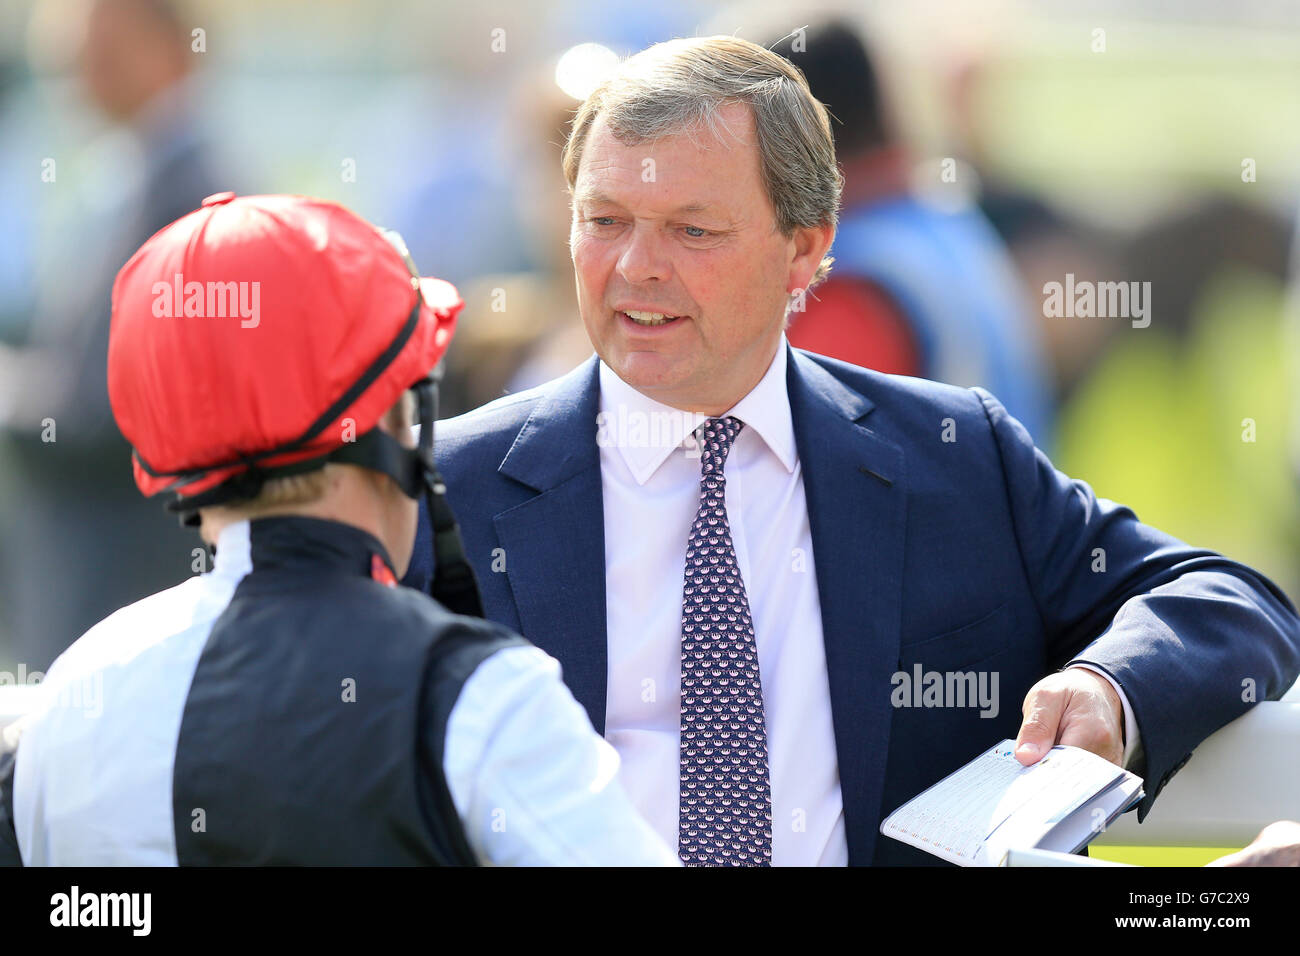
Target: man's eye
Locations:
point(695, 232)
point(602, 220)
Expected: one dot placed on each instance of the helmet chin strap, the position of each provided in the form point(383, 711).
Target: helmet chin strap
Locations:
point(454, 585)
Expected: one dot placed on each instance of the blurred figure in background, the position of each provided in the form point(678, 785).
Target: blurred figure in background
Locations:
point(917, 288)
point(71, 514)
point(520, 329)
point(1291, 357)
point(1194, 409)
point(1043, 242)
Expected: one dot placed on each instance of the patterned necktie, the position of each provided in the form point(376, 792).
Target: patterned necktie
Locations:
point(725, 813)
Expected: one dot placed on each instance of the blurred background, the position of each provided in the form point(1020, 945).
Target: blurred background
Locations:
point(990, 150)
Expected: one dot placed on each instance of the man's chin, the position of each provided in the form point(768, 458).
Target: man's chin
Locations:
point(650, 372)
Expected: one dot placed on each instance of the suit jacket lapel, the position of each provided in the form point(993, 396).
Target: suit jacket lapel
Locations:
point(853, 482)
point(554, 543)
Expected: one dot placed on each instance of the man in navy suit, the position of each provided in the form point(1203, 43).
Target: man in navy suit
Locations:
point(792, 592)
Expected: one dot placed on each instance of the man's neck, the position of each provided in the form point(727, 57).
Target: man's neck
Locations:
point(335, 505)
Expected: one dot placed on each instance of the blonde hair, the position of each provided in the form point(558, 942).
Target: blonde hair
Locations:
point(287, 491)
point(681, 85)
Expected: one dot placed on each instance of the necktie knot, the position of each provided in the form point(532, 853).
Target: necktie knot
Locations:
point(716, 436)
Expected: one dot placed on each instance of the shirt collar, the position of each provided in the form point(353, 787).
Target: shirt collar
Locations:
point(646, 431)
point(231, 553)
point(297, 542)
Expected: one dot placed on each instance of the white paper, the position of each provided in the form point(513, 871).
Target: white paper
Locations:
point(993, 804)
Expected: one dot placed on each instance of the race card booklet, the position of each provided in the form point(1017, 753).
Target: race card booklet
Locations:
point(994, 804)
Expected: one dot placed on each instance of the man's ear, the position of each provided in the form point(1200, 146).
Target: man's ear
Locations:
point(399, 421)
point(388, 422)
point(809, 245)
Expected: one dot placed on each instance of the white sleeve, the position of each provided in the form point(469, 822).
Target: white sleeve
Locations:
point(533, 782)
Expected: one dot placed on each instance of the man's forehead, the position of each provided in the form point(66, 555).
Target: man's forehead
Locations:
point(611, 167)
point(730, 127)
point(595, 194)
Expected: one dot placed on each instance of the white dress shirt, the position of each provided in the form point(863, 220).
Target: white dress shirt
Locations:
point(650, 477)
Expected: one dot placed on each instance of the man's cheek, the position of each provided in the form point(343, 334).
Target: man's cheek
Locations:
point(586, 256)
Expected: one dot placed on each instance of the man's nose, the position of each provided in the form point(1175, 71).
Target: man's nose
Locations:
point(644, 258)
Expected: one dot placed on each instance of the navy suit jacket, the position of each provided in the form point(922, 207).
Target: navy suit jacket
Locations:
point(941, 537)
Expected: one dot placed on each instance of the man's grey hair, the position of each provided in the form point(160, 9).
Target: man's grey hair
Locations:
point(680, 85)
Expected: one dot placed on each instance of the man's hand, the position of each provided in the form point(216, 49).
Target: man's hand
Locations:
point(1278, 844)
point(1074, 707)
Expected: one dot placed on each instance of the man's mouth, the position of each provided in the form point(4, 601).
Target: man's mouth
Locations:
point(650, 318)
